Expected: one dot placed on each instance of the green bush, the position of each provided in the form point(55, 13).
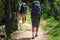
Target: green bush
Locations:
point(51, 22)
point(54, 34)
point(28, 10)
point(45, 16)
point(53, 27)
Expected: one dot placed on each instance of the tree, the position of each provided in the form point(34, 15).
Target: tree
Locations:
point(7, 17)
point(2, 15)
point(11, 22)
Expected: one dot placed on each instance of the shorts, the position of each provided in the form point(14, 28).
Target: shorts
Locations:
point(23, 15)
point(35, 21)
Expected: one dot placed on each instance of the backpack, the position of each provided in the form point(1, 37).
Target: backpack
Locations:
point(23, 8)
point(36, 8)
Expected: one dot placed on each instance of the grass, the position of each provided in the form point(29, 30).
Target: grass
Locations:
point(54, 34)
point(53, 28)
point(28, 19)
point(55, 37)
point(22, 27)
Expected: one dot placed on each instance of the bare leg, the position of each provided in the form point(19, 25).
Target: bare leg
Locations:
point(33, 32)
point(22, 20)
point(36, 29)
point(36, 32)
point(33, 29)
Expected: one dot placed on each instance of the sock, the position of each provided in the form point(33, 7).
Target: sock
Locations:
point(32, 34)
point(35, 33)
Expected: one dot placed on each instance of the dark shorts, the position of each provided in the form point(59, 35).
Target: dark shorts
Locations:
point(35, 21)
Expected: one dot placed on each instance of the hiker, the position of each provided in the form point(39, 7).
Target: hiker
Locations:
point(23, 11)
point(35, 17)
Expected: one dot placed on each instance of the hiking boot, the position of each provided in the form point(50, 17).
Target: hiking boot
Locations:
point(32, 37)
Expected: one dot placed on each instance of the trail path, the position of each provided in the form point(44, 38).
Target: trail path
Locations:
point(27, 34)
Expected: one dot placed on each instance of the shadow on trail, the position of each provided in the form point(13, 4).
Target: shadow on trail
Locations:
point(22, 39)
point(28, 30)
point(25, 39)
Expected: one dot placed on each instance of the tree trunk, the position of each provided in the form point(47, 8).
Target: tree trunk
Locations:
point(7, 17)
point(11, 22)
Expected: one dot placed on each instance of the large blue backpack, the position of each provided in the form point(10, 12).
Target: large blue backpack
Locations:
point(36, 8)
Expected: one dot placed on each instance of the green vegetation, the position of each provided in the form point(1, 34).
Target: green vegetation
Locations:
point(2, 15)
point(28, 19)
point(55, 33)
point(53, 28)
point(22, 27)
point(50, 16)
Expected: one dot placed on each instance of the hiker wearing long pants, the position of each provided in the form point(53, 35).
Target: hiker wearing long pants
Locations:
point(23, 11)
point(35, 17)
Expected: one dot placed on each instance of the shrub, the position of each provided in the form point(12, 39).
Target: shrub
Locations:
point(45, 16)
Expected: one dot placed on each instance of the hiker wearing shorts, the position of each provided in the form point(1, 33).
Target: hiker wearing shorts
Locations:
point(35, 17)
point(23, 12)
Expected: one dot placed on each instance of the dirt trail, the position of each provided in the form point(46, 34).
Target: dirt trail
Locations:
point(27, 34)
